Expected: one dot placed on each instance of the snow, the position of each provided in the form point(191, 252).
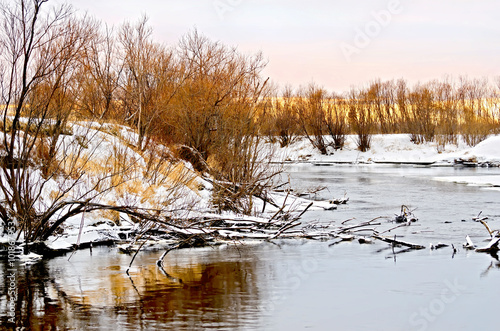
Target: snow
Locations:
point(486, 151)
point(490, 181)
point(30, 258)
point(58, 244)
point(393, 148)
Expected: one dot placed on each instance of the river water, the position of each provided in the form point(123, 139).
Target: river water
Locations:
point(293, 284)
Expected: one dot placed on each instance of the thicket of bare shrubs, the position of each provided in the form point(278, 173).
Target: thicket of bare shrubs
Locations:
point(309, 112)
point(312, 105)
point(277, 118)
point(117, 90)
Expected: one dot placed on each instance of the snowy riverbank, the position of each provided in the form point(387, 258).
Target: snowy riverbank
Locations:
point(385, 149)
point(396, 148)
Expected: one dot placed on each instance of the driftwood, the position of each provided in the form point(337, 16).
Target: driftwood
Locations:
point(406, 216)
point(343, 233)
point(394, 228)
point(468, 243)
point(438, 246)
point(396, 242)
point(310, 191)
point(365, 240)
point(340, 201)
point(217, 229)
point(482, 220)
point(357, 226)
point(492, 246)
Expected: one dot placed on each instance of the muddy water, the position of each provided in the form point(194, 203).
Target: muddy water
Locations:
point(291, 285)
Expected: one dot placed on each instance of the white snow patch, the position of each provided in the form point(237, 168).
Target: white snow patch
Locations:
point(393, 148)
point(490, 181)
point(58, 244)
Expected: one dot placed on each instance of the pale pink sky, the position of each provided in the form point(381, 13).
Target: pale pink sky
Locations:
point(336, 44)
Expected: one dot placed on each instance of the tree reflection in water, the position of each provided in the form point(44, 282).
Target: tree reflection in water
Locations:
point(192, 290)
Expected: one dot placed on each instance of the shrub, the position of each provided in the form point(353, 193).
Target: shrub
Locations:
point(311, 108)
point(360, 118)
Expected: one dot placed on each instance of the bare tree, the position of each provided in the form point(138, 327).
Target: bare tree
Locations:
point(422, 114)
point(100, 75)
point(472, 95)
point(39, 52)
point(361, 117)
point(495, 102)
point(446, 112)
point(281, 118)
point(214, 113)
point(336, 121)
point(220, 85)
point(312, 106)
point(54, 165)
point(151, 79)
point(402, 105)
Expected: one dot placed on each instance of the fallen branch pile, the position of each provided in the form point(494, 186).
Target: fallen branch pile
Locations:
point(217, 229)
point(493, 246)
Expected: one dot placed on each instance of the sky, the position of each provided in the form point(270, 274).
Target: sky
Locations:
point(335, 44)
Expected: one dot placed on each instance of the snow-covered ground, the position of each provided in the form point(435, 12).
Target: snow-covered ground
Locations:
point(396, 148)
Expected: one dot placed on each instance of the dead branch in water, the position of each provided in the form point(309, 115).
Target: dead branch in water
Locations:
point(492, 246)
point(363, 224)
point(406, 215)
point(468, 244)
point(398, 242)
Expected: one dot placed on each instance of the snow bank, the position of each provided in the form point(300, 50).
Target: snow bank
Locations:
point(486, 151)
point(490, 181)
point(393, 148)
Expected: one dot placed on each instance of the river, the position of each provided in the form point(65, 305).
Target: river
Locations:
point(293, 284)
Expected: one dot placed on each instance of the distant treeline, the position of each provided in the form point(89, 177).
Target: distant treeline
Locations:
point(437, 111)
